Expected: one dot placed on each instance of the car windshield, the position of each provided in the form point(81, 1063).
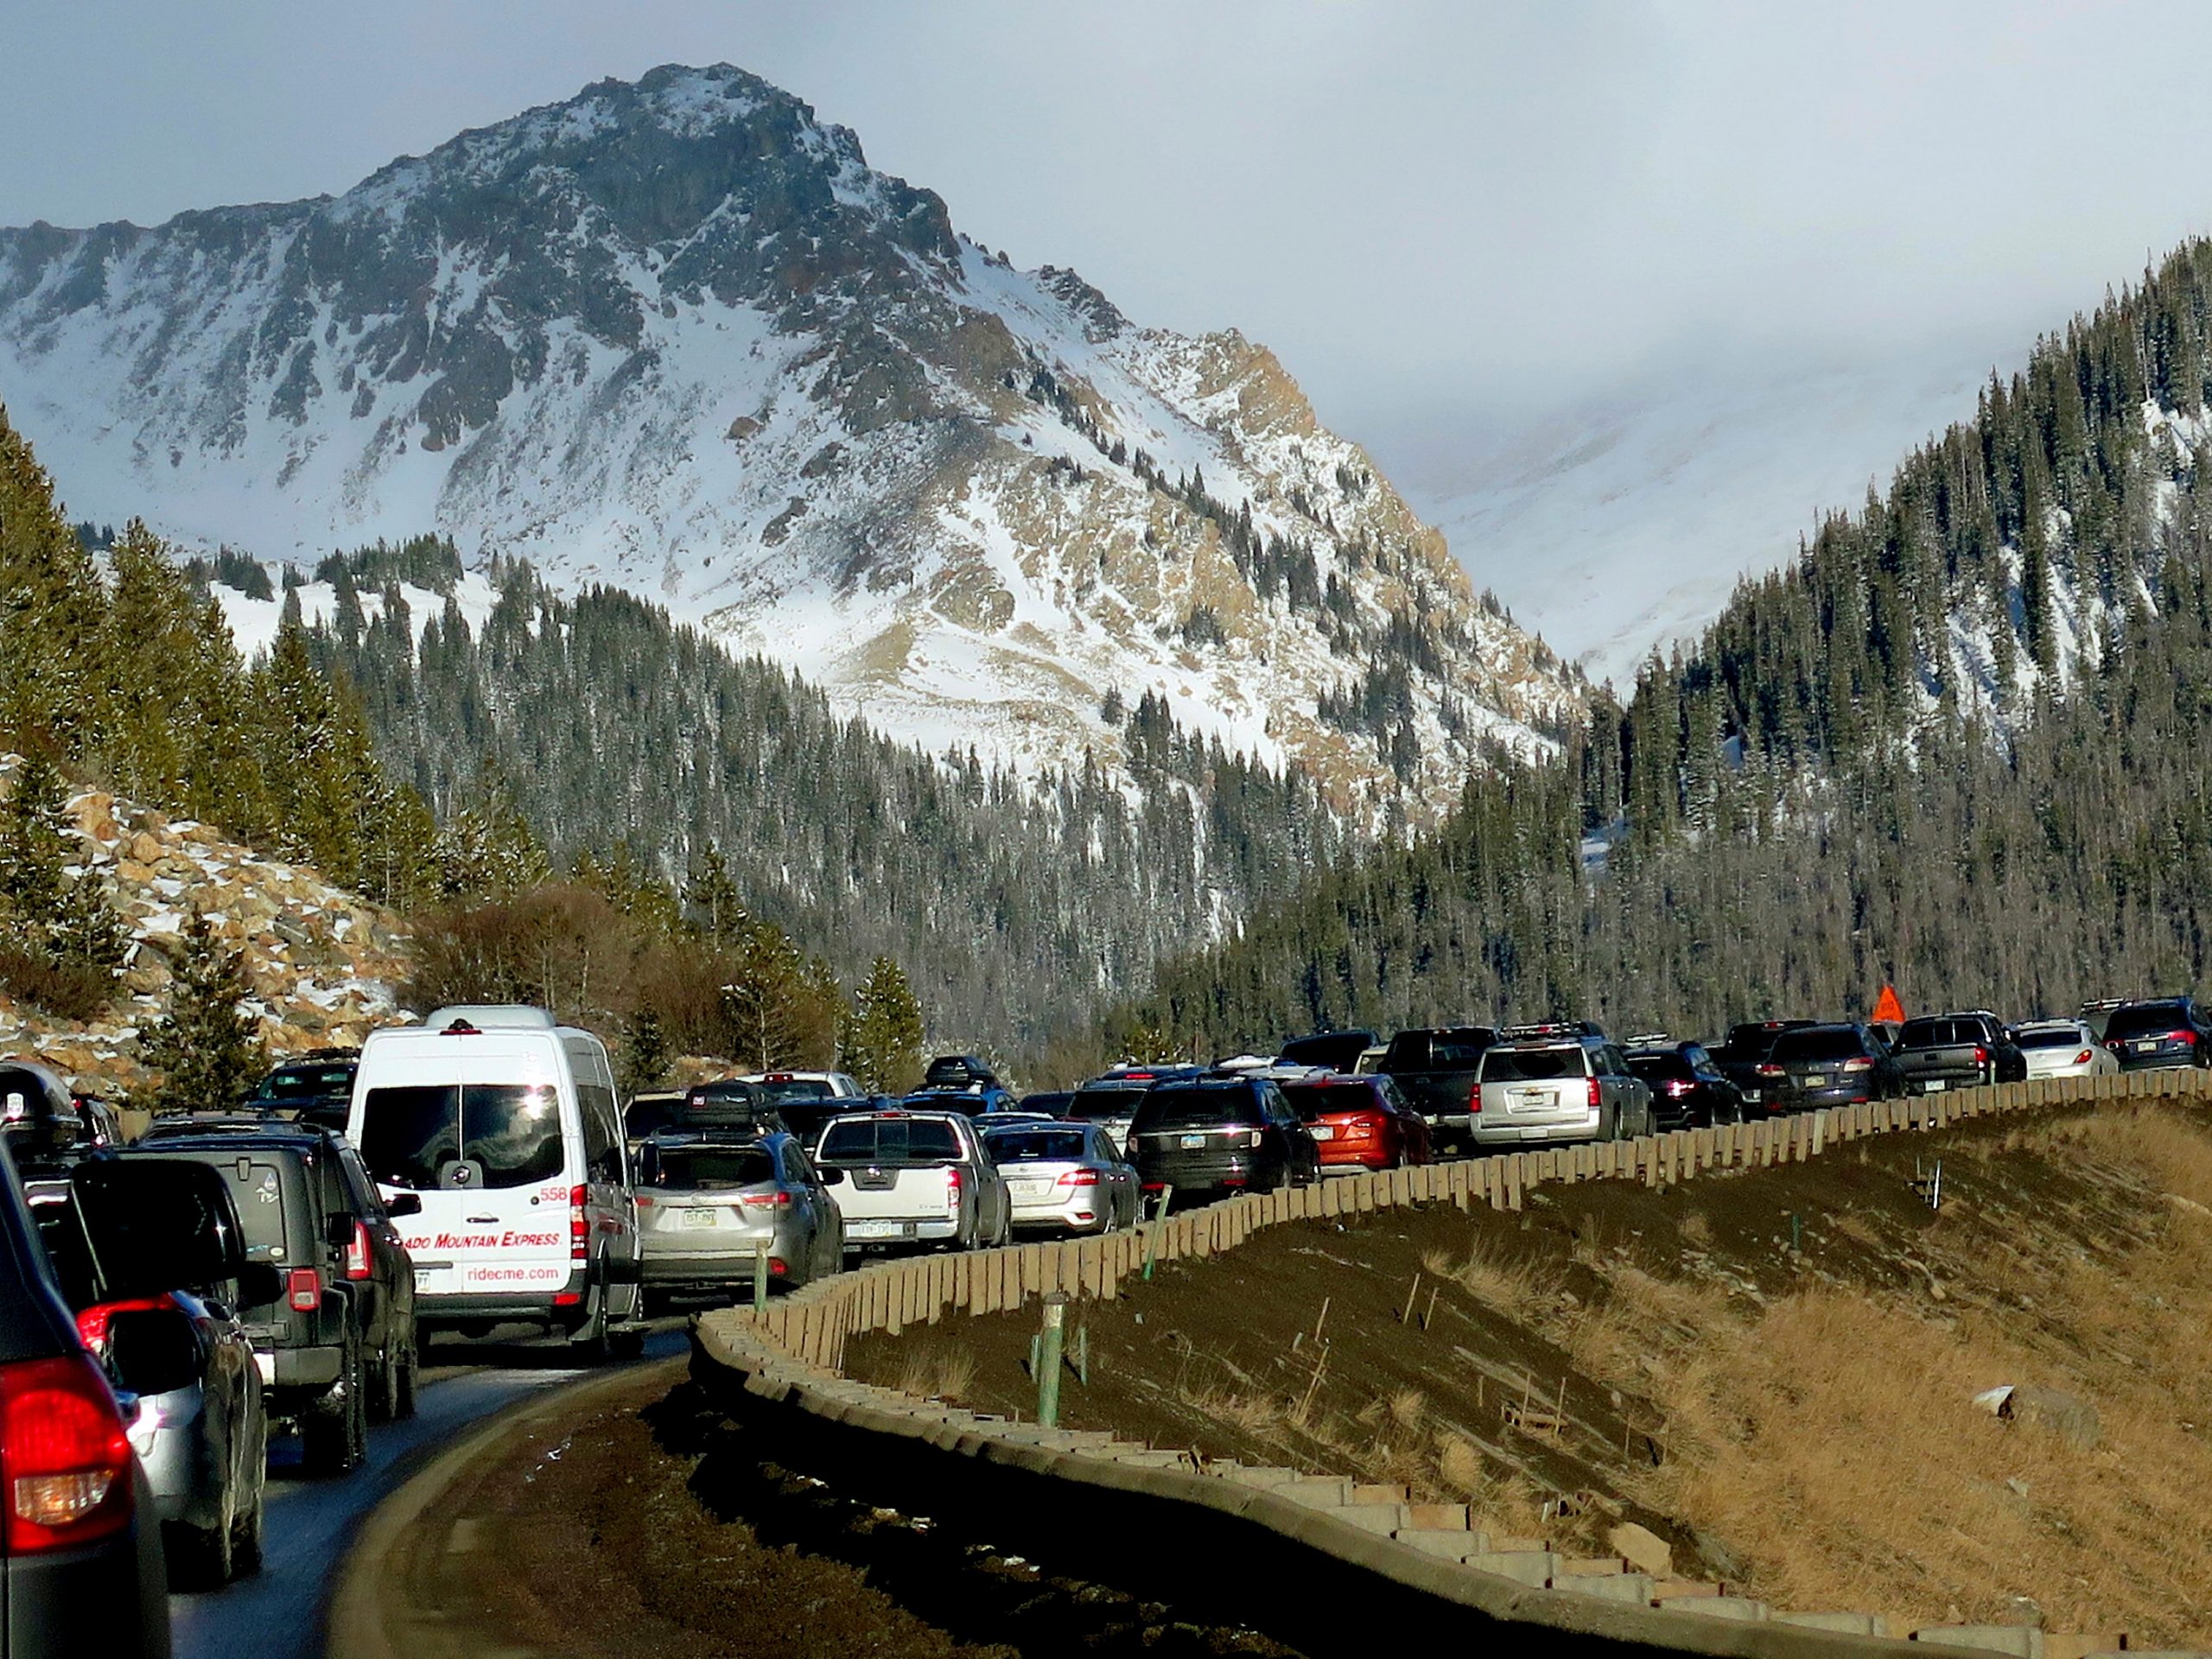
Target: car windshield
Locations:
point(890, 1141)
point(1839, 1043)
point(2051, 1037)
point(1035, 1145)
point(1171, 1104)
point(2140, 1018)
point(1534, 1065)
point(776, 1090)
point(307, 1082)
point(504, 1134)
point(693, 1169)
point(1311, 1100)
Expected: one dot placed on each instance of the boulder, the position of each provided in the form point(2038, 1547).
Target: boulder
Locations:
point(2067, 1416)
point(1641, 1548)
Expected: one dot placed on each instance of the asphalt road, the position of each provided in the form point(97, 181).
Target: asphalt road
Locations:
point(278, 1613)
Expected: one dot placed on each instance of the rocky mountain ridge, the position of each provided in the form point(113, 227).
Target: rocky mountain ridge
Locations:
point(676, 336)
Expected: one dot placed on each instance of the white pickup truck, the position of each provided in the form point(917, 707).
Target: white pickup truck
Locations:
point(915, 1177)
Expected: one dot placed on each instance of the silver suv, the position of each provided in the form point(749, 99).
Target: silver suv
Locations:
point(1559, 1083)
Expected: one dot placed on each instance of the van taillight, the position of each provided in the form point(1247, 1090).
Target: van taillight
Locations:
point(579, 1224)
point(64, 1455)
point(357, 1253)
point(304, 1290)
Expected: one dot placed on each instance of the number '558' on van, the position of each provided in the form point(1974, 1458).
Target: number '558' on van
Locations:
point(505, 1124)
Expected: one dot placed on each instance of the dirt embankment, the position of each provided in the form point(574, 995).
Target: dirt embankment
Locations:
point(1776, 1370)
point(653, 1528)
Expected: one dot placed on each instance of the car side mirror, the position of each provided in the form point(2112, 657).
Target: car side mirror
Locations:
point(403, 1204)
point(831, 1176)
point(260, 1284)
point(153, 1350)
point(159, 1224)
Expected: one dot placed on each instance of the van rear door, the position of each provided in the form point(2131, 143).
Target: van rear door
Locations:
point(487, 1147)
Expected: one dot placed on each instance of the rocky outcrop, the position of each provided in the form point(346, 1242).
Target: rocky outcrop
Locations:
point(324, 963)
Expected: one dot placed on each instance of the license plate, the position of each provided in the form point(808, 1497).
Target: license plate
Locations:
point(878, 1229)
point(2146, 1045)
point(1191, 1142)
point(1323, 1132)
point(1027, 1189)
point(1934, 1086)
point(702, 1218)
point(1816, 1079)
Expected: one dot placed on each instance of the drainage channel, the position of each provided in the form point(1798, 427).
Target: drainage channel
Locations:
point(1015, 1581)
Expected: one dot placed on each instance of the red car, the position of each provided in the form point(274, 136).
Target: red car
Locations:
point(1359, 1122)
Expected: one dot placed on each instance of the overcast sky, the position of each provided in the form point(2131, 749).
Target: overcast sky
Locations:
point(1441, 215)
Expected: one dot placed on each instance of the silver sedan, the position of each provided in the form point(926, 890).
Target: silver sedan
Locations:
point(1064, 1175)
point(2063, 1048)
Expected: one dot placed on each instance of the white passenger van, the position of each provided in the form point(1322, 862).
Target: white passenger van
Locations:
point(506, 1125)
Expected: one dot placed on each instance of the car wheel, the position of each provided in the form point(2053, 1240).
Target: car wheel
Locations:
point(626, 1344)
point(246, 1534)
point(199, 1558)
point(383, 1386)
point(333, 1429)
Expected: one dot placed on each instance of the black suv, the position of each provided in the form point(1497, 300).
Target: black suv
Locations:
point(1209, 1133)
point(1688, 1091)
point(2172, 1031)
point(317, 1087)
point(1811, 1066)
point(337, 1347)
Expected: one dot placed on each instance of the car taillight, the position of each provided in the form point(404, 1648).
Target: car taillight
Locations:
point(1079, 1178)
point(1364, 1125)
point(1254, 1137)
point(1982, 1057)
point(1594, 1092)
point(304, 1290)
point(579, 1224)
point(776, 1200)
point(1475, 1098)
point(1770, 1070)
point(1676, 1087)
point(2188, 1037)
point(952, 1189)
point(1859, 1063)
point(2085, 1057)
point(357, 1253)
point(64, 1454)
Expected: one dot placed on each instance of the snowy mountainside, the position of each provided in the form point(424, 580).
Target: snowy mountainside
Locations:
point(1623, 528)
point(677, 337)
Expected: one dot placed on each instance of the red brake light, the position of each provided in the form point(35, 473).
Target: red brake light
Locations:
point(1080, 1177)
point(93, 1322)
point(778, 1199)
point(2188, 1037)
point(1770, 1070)
point(579, 1224)
point(304, 1290)
point(1982, 1057)
point(1475, 1098)
point(1859, 1063)
point(357, 1253)
point(1594, 1094)
point(952, 1188)
point(2085, 1057)
point(64, 1455)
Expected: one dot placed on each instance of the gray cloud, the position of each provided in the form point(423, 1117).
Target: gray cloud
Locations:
point(1447, 218)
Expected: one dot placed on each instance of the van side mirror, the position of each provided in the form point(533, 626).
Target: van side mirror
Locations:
point(403, 1204)
point(159, 1224)
point(153, 1350)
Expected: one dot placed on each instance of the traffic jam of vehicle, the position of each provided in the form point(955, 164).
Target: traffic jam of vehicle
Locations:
point(179, 1302)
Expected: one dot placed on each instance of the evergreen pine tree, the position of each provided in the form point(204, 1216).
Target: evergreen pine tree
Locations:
point(207, 1048)
point(882, 1039)
point(644, 1053)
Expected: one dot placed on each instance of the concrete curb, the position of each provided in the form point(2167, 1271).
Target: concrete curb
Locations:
point(377, 1610)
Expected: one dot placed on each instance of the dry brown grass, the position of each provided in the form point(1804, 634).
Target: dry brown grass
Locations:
point(938, 1371)
point(1514, 1287)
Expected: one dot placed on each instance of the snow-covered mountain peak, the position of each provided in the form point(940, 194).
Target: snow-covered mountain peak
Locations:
point(676, 336)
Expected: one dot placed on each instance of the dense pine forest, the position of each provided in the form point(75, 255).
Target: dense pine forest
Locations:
point(612, 731)
point(1959, 743)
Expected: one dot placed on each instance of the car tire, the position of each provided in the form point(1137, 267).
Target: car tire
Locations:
point(333, 1429)
point(627, 1344)
point(246, 1532)
point(383, 1386)
point(199, 1558)
point(410, 1361)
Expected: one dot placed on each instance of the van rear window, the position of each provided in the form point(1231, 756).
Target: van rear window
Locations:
point(1534, 1065)
point(694, 1169)
point(504, 1134)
